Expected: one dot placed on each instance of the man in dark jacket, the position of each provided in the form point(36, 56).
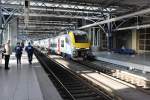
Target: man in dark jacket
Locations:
point(18, 51)
point(29, 49)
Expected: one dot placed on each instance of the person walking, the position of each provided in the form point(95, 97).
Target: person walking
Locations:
point(7, 54)
point(29, 49)
point(18, 51)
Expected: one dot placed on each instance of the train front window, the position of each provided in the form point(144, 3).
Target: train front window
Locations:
point(81, 38)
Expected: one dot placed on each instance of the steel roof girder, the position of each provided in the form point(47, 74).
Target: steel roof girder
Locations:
point(117, 18)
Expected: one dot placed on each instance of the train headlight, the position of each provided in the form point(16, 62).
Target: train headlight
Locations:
point(73, 48)
point(75, 53)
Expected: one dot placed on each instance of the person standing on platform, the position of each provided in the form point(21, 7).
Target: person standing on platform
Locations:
point(29, 49)
point(7, 54)
point(18, 51)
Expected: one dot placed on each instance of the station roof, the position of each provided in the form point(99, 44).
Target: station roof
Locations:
point(52, 16)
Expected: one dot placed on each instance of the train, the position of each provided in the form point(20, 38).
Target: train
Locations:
point(72, 44)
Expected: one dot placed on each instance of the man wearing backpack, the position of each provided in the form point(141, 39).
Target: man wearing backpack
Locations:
point(29, 49)
point(18, 51)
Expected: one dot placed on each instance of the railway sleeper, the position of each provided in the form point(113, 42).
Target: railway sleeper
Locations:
point(79, 91)
point(91, 98)
point(76, 82)
point(87, 94)
point(74, 85)
point(77, 88)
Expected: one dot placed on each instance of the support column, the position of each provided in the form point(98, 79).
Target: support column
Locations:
point(1, 35)
point(9, 32)
point(134, 39)
point(89, 35)
point(0, 16)
point(12, 32)
point(97, 38)
point(93, 37)
point(109, 36)
point(26, 12)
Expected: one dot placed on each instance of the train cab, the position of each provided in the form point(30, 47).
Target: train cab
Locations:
point(80, 44)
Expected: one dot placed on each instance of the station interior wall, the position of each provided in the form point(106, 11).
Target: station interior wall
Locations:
point(143, 40)
point(138, 40)
point(128, 39)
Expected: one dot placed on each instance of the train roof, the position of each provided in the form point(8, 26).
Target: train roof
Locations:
point(74, 31)
point(79, 32)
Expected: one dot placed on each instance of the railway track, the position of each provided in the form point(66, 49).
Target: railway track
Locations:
point(105, 74)
point(70, 85)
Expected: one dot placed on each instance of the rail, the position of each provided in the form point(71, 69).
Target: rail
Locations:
point(72, 82)
point(57, 79)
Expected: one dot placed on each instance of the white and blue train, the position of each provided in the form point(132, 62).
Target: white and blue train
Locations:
point(73, 44)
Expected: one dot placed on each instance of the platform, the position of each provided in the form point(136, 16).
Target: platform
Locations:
point(27, 82)
point(139, 61)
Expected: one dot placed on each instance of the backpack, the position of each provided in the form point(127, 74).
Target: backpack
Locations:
point(30, 49)
point(18, 50)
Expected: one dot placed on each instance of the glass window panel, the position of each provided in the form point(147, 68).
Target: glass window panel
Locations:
point(147, 47)
point(147, 36)
point(141, 47)
point(148, 30)
point(141, 42)
point(147, 42)
point(142, 36)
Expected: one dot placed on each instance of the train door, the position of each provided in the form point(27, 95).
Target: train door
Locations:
point(58, 46)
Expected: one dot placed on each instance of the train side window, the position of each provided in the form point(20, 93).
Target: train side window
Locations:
point(62, 43)
point(66, 39)
point(53, 45)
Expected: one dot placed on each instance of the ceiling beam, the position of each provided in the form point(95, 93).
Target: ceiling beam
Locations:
point(145, 11)
point(56, 16)
point(43, 24)
point(37, 31)
point(51, 8)
point(40, 11)
point(133, 27)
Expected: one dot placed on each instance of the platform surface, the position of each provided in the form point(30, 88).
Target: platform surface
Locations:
point(139, 61)
point(24, 83)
